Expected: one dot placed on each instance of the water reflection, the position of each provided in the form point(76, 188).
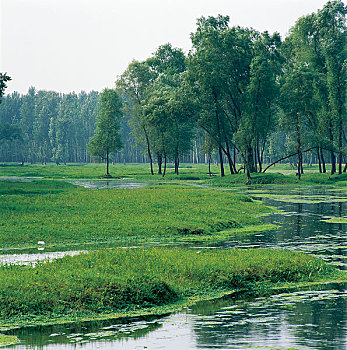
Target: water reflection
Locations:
point(301, 320)
point(101, 184)
point(34, 258)
point(301, 226)
point(80, 333)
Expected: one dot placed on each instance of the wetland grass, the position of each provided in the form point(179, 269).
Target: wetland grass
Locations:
point(60, 213)
point(106, 282)
point(6, 340)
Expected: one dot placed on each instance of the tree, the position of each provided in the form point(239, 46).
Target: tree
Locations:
point(258, 118)
point(107, 139)
point(318, 41)
point(234, 71)
point(9, 132)
point(134, 85)
point(297, 102)
point(3, 79)
point(331, 24)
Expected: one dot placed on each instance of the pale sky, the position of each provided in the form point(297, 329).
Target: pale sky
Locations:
point(74, 45)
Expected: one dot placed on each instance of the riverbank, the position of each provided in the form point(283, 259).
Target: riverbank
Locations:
point(123, 282)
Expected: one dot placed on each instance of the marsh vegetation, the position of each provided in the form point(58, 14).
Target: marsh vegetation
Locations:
point(196, 209)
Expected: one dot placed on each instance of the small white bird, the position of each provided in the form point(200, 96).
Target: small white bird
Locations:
point(41, 242)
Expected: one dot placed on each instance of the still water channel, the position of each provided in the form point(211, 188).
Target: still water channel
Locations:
point(311, 319)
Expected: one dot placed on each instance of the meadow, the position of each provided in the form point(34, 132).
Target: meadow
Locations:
point(41, 205)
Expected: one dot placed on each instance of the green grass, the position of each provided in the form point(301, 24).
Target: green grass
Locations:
point(60, 213)
point(93, 171)
point(6, 340)
point(280, 174)
point(105, 282)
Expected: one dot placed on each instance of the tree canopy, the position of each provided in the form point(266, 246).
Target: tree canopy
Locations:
point(107, 138)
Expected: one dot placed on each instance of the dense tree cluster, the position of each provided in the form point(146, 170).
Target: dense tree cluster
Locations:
point(239, 96)
point(53, 127)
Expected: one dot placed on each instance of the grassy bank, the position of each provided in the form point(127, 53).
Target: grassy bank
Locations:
point(104, 283)
point(59, 213)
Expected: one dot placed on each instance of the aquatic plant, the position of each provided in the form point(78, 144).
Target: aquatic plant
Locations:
point(107, 281)
point(57, 212)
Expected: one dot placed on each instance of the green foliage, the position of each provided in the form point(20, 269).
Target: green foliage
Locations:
point(107, 139)
point(234, 72)
point(54, 127)
point(9, 132)
point(109, 281)
point(254, 98)
point(3, 79)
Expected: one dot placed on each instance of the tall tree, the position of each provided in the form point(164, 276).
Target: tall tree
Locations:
point(331, 24)
point(318, 42)
point(297, 102)
point(234, 73)
point(134, 85)
point(107, 139)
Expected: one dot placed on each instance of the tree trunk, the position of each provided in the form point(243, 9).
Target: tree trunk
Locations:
point(222, 174)
point(259, 160)
point(177, 163)
point(333, 162)
point(209, 164)
point(319, 161)
point(286, 157)
point(160, 161)
point(340, 163)
point(248, 177)
point(323, 161)
point(231, 163)
point(164, 172)
point(299, 164)
point(107, 161)
point(149, 150)
point(249, 161)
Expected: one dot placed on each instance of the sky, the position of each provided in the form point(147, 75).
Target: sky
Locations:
point(74, 45)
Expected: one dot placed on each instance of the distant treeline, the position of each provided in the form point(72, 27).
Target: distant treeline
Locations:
point(239, 96)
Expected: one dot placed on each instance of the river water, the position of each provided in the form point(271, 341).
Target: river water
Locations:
point(311, 319)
